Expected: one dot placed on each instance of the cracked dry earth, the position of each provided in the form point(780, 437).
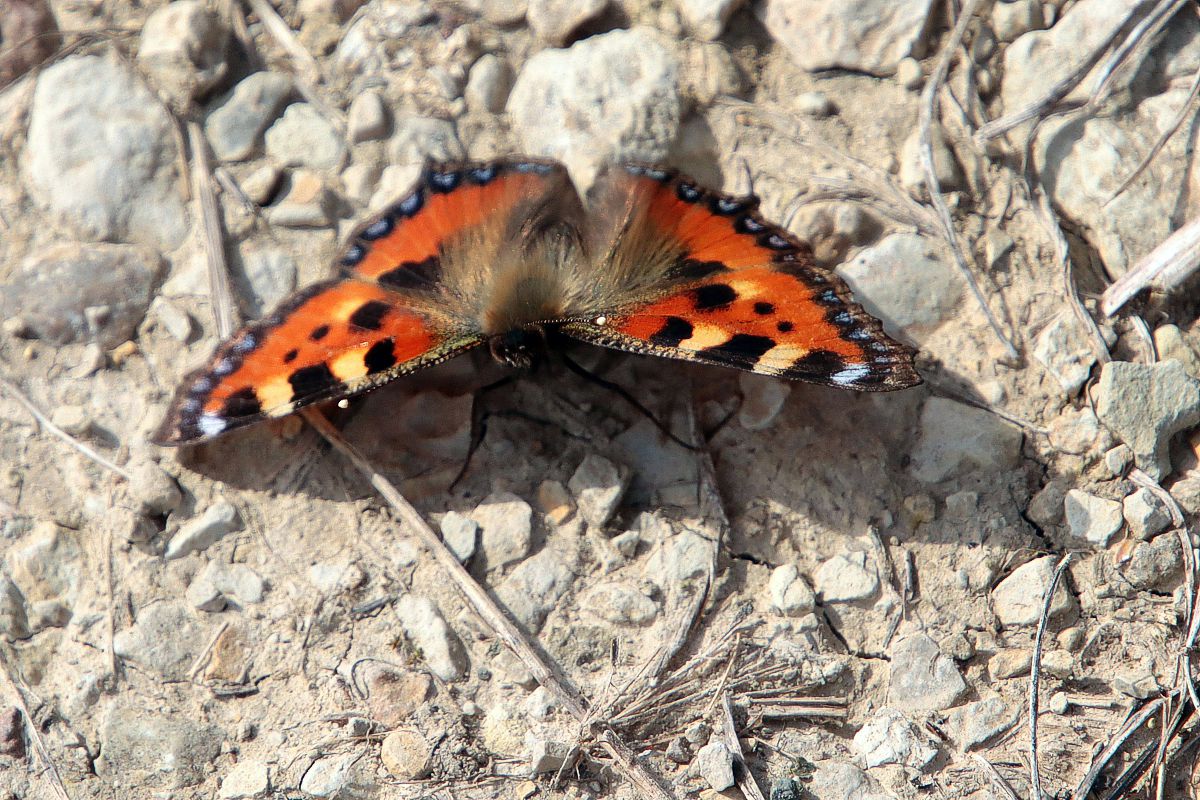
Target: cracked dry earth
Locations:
point(246, 618)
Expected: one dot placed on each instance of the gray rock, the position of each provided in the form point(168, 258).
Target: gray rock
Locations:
point(1011, 20)
point(101, 154)
point(679, 558)
point(598, 485)
point(889, 738)
point(460, 533)
point(331, 775)
point(172, 318)
point(405, 755)
point(143, 750)
point(622, 603)
point(1011, 662)
point(426, 628)
point(1137, 682)
point(261, 184)
point(48, 564)
point(814, 104)
point(707, 18)
point(367, 119)
point(1144, 405)
point(248, 780)
point(861, 35)
point(73, 420)
point(902, 282)
point(505, 529)
point(164, 638)
point(1171, 343)
point(547, 755)
point(838, 780)
point(371, 44)
point(714, 762)
point(153, 488)
point(1017, 600)
point(955, 438)
point(663, 473)
point(307, 203)
point(420, 139)
point(534, 587)
point(762, 400)
point(976, 723)
point(234, 127)
point(1145, 513)
point(945, 164)
point(182, 49)
point(219, 582)
point(302, 137)
point(218, 520)
point(1156, 564)
point(923, 677)
point(790, 593)
point(555, 20)
point(82, 292)
point(1046, 507)
point(488, 85)
point(1063, 347)
point(611, 97)
point(267, 276)
point(14, 617)
point(1092, 518)
point(846, 577)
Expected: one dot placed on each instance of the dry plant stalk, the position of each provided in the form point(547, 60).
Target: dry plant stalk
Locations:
point(1165, 267)
point(1035, 673)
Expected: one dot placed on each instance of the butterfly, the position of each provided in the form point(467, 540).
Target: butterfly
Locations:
point(507, 255)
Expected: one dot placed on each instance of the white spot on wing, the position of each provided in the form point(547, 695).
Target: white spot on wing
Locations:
point(851, 375)
point(210, 424)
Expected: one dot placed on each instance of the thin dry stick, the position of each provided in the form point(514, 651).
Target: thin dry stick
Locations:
point(928, 113)
point(1166, 266)
point(17, 690)
point(1035, 674)
point(1132, 724)
point(210, 221)
point(995, 777)
point(544, 670)
point(745, 780)
point(1142, 32)
point(45, 422)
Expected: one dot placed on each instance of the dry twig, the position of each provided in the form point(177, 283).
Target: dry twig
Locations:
point(1165, 267)
point(17, 690)
point(745, 779)
point(220, 293)
point(1035, 673)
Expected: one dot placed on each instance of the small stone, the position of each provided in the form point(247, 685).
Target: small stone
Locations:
point(622, 603)
point(975, 723)
point(359, 181)
point(460, 533)
point(534, 587)
point(12, 734)
point(889, 738)
point(1071, 639)
point(1144, 405)
point(1117, 460)
point(151, 750)
point(955, 438)
point(153, 488)
point(329, 776)
point(1092, 518)
point(488, 85)
point(546, 755)
point(1064, 349)
point(627, 543)
point(555, 502)
point(303, 137)
point(334, 579)
point(506, 529)
point(1011, 662)
point(869, 36)
point(306, 204)
point(714, 762)
point(234, 127)
point(72, 420)
point(173, 318)
point(426, 628)
point(814, 104)
point(248, 780)
point(923, 677)
point(1058, 664)
point(945, 165)
point(502, 730)
point(846, 578)
point(14, 617)
point(405, 755)
point(1170, 343)
point(1012, 20)
point(555, 20)
point(420, 139)
point(1145, 513)
point(1136, 683)
point(182, 49)
point(393, 694)
point(218, 520)
point(707, 18)
point(367, 119)
point(598, 485)
point(219, 582)
point(790, 593)
point(909, 74)
point(1046, 507)
point(1059, 703)
point(165, 638)
point(1155, 564)
point(762, 400)
point(268, 276)
point(260, 185)
point(1017, 600)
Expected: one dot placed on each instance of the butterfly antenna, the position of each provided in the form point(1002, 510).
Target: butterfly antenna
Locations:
point(478, 426)
point(620, 391)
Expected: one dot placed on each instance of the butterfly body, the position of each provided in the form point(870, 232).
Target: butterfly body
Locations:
point(508, 255)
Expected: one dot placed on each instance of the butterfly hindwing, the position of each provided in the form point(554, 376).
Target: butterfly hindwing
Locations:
point(744, 293)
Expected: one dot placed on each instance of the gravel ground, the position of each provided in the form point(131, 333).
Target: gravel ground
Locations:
point(859, 599)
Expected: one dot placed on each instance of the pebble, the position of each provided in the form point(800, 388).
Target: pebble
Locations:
point(248, 780)
point(547, 755)
point(1144, 405)
point(1156, 564)
point(554, 21)
point(488, 85)
point(622, 603)
point(663, 473)
point(182, 50)
point(460, 533)
point(1046, 507)
point(219, 582)
point(199, 533)
point(14, 617)
point(88, 115)
point(762, 400)
point(502, 730)
point(790, 593)
point(73, 420)
point(906, 284)
point(395, 182)
point(1138, 683)
point(627, 543)
point(1093, 518)
point(268, 275)
point(975, 723)
point(360, 180)
point(534, 587)
point(31, 38)
point(48, 564)
point(393, 694)
point(714, 763)
point(955, 438)
point(1011, 662)
point(173, 319)
point(835, 780)
point(909, 73)
point(155, 490)
point(1145, 514)
point(1170, 343)
point(233, 128)
point(164, 638)
point(12, 734)
point(598, 486)
point(405, 755)
point(945, 165)
point(707, 18)
point(420, 139)
point(923, 677)
point(814, 104)
point(140, 747)
point(845, 578)
point(1058, 663)
point(336, 578)
point(367, 119)
point(611, 97)
point(329, 776)
point(1064, 349)
point(426, 628)
point(1078, 432)
point(1017, 600)
point(1012, 20)
point(680, 557)
point(308, 203)
point(506, 529)
point(261, 185)
point(554, 501)
point(82, 293)
point(302, 137)
point(864, 36)
point(889, 738)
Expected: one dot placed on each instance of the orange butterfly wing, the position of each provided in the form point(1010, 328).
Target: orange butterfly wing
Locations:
point(744, 294)
point(369, 325)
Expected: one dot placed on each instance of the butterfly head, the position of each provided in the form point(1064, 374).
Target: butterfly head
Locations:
point(521, 348)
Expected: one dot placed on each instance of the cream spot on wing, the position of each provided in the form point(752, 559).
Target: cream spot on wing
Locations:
point(783, 356)
point(275, 393)
point(746, 290)
point(346, 308)
point(705, 336)
point(349, 365)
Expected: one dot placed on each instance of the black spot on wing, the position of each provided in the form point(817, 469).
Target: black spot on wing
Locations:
point(319, 333)
point(290, 355)
point(816, 364)
point(242, 403)
point(764, 308)
point(413, 274)
point(369, 316)
point(784, 326)
point(309, 381)
point(714, 296)
point(381, 356)
point(673, 331)
point(741, 348)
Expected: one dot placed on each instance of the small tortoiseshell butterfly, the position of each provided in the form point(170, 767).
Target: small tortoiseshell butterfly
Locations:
point(508, 255)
